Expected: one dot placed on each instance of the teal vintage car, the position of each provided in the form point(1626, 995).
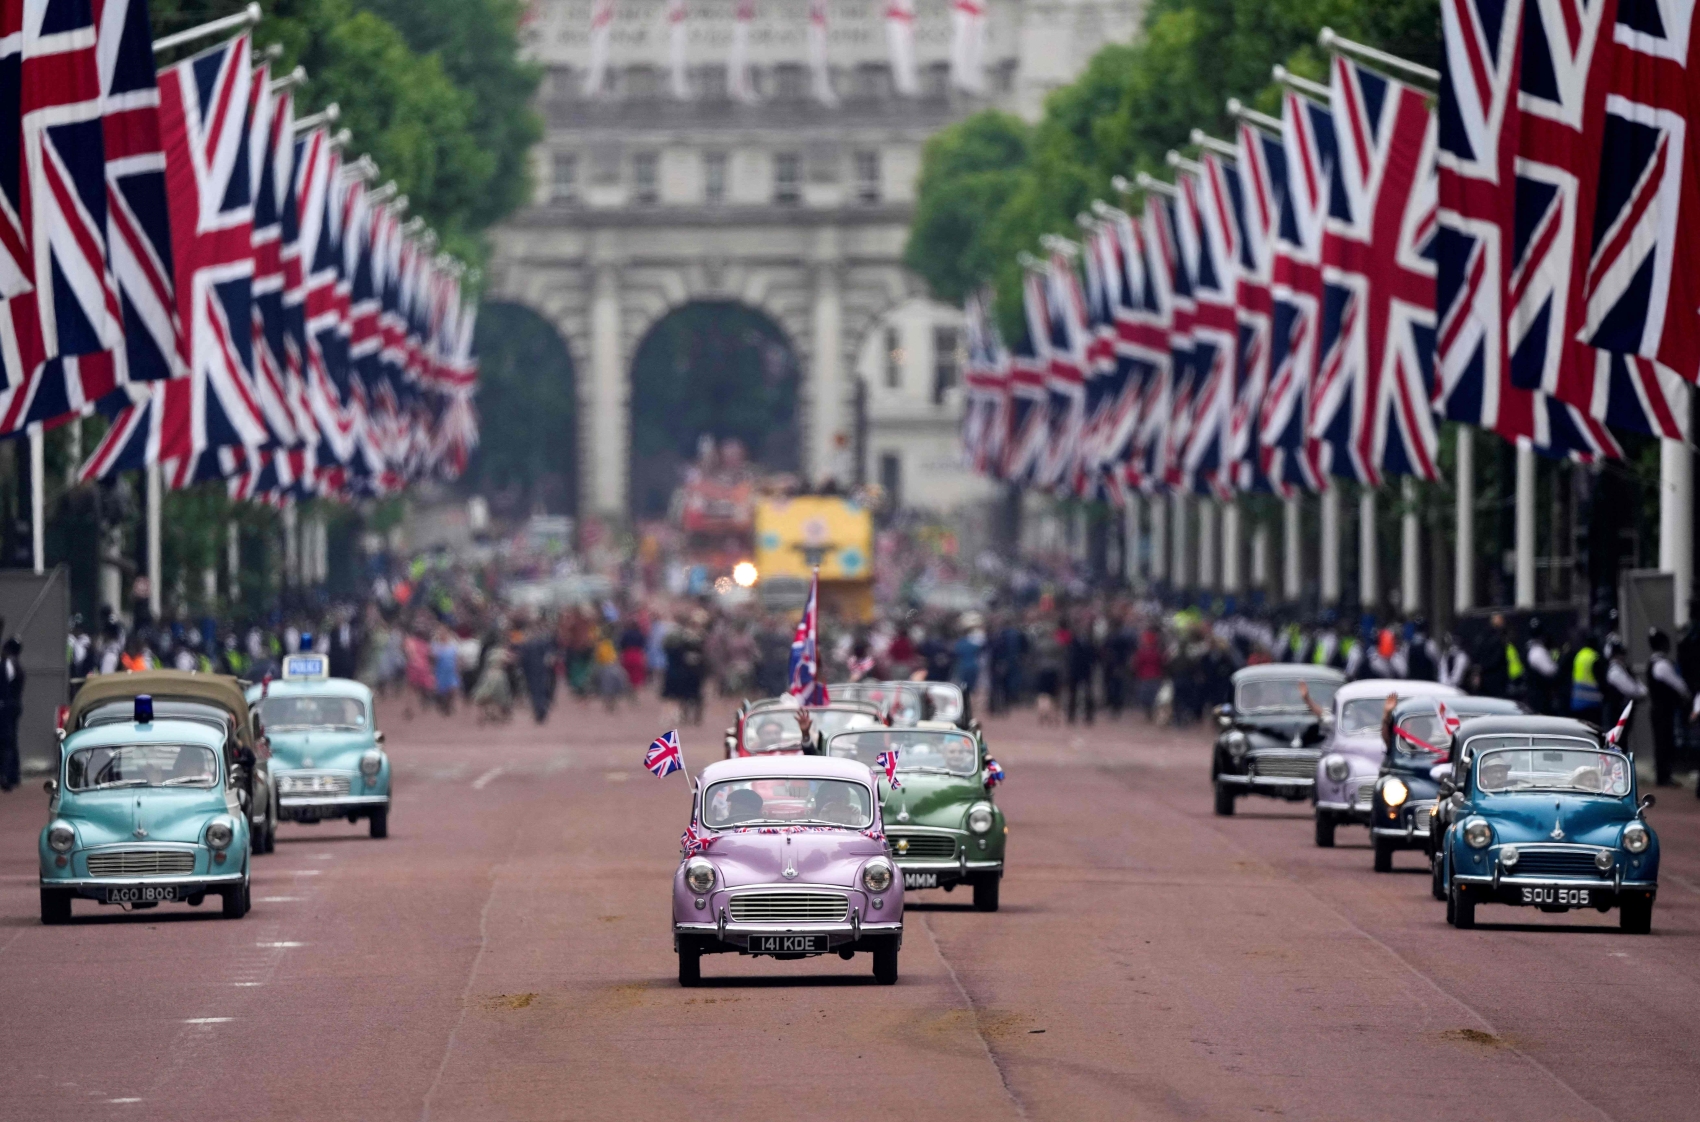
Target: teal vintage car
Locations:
point(941, 823)
point(143, 813)
point(328, 759)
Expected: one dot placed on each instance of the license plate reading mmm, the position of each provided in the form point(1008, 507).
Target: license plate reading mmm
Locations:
point(920, 880)
point(788, 944)
point(1574, 896)
point(141, 894)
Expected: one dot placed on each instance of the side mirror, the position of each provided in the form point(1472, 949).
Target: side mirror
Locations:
point(1224, 716)
point(245, 756)
point(378, 737)
point(51, 787)
point(1447, 787)
point(1646, 804)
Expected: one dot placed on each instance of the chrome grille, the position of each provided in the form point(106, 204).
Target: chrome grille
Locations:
point(1285, 767)
point(1420, 816)
point(1556, 863)
point(928, 846)
point(318, 785)
point(1365, 796)
point(141, 863)
point(789, 907)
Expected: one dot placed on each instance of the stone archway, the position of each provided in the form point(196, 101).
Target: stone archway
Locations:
point(528, 403)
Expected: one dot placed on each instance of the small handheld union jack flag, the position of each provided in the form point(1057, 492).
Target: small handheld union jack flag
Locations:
point(664, 757)
point(1616, 732)
point(994, 772)
point(1449, 721)
point(888, 761)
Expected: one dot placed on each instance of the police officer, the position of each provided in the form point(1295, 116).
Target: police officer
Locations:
point(1670, 697)
point(1454, 663)
point(1500, 665)
point(1585, 696)
point(1422, 657)
point(1618, 686)
point(1542, 675)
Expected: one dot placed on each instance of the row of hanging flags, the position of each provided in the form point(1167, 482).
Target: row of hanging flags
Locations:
point(1311, 299)
point(967, 48)
point(177, 254)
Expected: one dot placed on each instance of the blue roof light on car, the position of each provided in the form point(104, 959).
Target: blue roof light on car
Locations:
point(144, 709)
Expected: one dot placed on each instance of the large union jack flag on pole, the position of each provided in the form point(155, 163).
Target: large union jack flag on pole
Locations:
point(1210, 246)
point(806, 685)
point(1260, 181)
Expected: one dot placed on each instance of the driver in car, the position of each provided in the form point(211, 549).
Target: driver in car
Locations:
point(835, 808)
point(770, 731)
point(743, 805)
point(1495, 774)
point(958, 754)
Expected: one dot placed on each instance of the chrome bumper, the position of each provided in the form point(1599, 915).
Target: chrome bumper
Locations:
point(351, 802)
point(736, 936)
point(192, 880)
point(1408, 832)
point(1266, 782)
point(1558, 882)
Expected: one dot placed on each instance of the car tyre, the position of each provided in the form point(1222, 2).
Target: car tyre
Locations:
point(986, 892)
point(1383, 855)
point(690, 963)
point(1224, 800)
point(379, 822)
point(885, 963)
point(1438, 883)
point(55, 906)
point(236, 901)
point(1324, 829)
point(1461, 910)
point(1635, 917)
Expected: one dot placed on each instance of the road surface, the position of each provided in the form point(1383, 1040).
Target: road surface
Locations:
point(505, 954)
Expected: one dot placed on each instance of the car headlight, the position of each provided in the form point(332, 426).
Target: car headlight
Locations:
point(1336, 768)
point(1236, 743)
point(60, 837)
point(699, 875)
point(1636, 838)
point(1477, 833)
point(219, 835)
point(876, 876)
point(1604, 860)
point(1394, 792)
point(980, 819)
point(1508, 856)
point(371, 763)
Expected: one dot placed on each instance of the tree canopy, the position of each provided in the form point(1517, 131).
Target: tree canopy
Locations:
point(991, 186)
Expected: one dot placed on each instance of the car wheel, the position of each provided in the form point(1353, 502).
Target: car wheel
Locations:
point(690, 963)
point(1635, 917)
point(1461, 910)
point(1324, 829)
point(1224, 800)
point(986, 892)
point(885, 963)
point(235, 901)
point(1383, 855)
point(379, 821)
point(55, 906)
point(1437, 884)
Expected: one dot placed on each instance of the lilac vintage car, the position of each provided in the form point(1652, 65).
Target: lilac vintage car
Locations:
point(786, 856)
point(1351, 757)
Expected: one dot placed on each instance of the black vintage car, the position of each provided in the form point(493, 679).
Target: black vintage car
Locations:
point(1268, 739)
point(1402, 805)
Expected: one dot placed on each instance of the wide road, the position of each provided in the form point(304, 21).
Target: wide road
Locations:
point(505, 955)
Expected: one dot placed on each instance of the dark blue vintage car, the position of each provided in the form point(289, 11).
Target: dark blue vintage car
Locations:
point(1267, 739)
point(1416, 741)
point(1544, 815)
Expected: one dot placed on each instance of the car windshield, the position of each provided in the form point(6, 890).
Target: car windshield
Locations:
point(786, 801)
point(321, 712)
point(944, 701)
point(141, 765)
point(902, 700)
point(934, 750)
point(769, 729)
point(1361, 715)
point(1426, 728)
point(1281, 695)
point(123, 711)
point(1550, 768)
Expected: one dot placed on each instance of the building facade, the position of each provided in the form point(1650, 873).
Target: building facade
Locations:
point(770, 197)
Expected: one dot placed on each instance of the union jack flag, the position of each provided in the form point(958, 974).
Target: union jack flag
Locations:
point(1029, 421)
point(271, 146)
point(1449, 721)
point(994, 772)
point(1290, 457)
point(985, 421)
point(664, 756)
point(1641, 289)
point(1507, 138)
point(806, 685)
point(1209, 238)
point(1156, 407)
point(315, 316)
point(1376, 366)
point(1258, 187)
point(887, 762)
point(693, 842)
point(1141, 344)
point(1065, 373)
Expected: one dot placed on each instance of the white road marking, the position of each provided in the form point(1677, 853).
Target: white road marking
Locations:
point(280, 944)
point(275, 899)
point(247, 983)
point(208, 1020)
point(304, 873)
point(483, 781)
point(123, 1100)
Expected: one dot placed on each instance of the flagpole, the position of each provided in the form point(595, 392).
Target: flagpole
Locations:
point(247, 17)
point(156, 485)
point(1329, 41)
point(1293, 82)
point(38, 497)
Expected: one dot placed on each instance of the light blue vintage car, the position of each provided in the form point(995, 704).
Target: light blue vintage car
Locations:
point(327, 755)
point(142, 813)
point(1540, 814)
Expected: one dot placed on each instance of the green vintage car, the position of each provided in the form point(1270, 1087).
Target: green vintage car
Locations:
point(941, 823)
point(144, 812)
point(327, 752)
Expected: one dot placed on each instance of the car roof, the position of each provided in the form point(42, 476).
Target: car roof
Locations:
point(768, 766)
point(1470, 705)
point(1286, 671)
point(312, 687)
point(1404, 687)
point(1527, 725)
point(154, 732)
point(218, 689)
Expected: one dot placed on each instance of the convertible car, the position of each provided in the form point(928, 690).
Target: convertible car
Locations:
point(1267, 738)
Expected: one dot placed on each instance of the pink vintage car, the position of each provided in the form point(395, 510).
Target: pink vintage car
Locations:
point(786, 856)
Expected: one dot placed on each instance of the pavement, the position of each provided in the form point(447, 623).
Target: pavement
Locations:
point(505, 954)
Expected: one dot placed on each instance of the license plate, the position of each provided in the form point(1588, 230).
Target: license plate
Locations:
point(788, 944)
point(141, 894)
point(920, 880)
point(1571, 896)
